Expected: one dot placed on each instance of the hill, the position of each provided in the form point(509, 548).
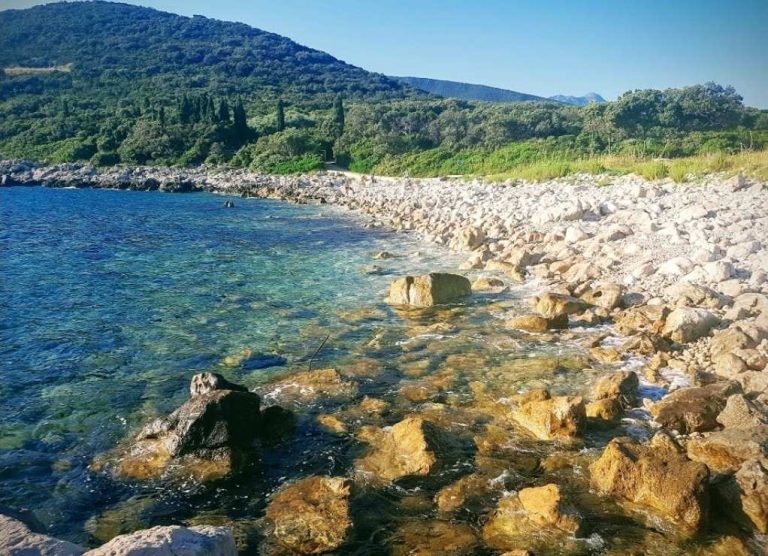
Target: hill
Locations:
point(578, 101)
point(466, 91)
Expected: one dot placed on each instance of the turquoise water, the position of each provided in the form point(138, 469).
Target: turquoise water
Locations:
point(111, 300)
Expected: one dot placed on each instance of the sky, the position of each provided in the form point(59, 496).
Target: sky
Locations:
point(542, 47)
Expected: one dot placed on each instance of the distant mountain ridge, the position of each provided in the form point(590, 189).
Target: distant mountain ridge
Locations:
point(578, 101)
point(466, 91)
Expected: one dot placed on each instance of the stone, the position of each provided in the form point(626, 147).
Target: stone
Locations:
point(537, 323)
point(469, 238)
point(719, 271)
point(16, 539)
point(644, 318)
point(311, 516)
point(605, 354)
point(523, 515)
point(608, 409)
point(619, 385)
point(455, 495)
point(203, 383)
point(429, 289)
point(432, 537)
point(406, 448)
point(729, 365)
point(725, 451)
point(740, 412)
point(645, 343)
point(686, 324)
point(308, 386)
point(751, 481)
point(656, 475)
point(693, 409)
point(606, 295)
point(692, 295)
point(487, 283)
point(331, 423)
point(173, 540)
point(552, 305)
point(561, 417)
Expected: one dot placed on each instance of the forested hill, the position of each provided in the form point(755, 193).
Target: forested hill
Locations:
point(135, 49)
point(466, 91)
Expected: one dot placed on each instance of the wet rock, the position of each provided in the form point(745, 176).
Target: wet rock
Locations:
point(746, 495)
point(425, 538)
point(646, 343)
point(552, 305)
point(562, 417)
point(486, 283)
point(605, 354)
point(331, 423)
point(621, 386)
point(608, 409)
point(17, 539)
point(308, 386)
point(606, 295)
point(311, 516)
point(536, 323)
point(656, 475)
point(429, 289)
point(686, 324)
point(725, 451)
point(694, 409)
point(406, 448)
point(521, 516)
point(203, 383)
point(171, 541)
point(741, 412)
point(645, 318)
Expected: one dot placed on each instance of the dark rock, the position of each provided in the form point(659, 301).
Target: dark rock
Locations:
point(263, 360)
point(203, 383)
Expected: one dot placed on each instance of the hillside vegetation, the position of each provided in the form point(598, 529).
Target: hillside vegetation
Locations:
point(147, 87)
point(465, 91)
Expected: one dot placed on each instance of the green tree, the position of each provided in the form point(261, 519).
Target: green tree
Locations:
point(280, 115)
point(338, 113)
point(240, 122)
point(224, 111)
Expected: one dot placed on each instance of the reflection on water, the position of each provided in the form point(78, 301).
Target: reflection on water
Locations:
point(112, 300)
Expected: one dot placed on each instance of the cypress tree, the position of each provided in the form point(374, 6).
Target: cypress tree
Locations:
point(213, 116)
point(224, 111)
point(161, 117)
point(338, 113)
point(280, 115)
point(185, 110)
point(240, 121)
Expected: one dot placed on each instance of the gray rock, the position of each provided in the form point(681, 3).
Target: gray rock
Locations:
point(16, 539)
point(171, 541)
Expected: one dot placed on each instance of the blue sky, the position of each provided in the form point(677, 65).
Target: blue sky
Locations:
point(542, 47)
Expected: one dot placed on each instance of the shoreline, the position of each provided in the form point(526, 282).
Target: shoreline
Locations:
point(677, 271)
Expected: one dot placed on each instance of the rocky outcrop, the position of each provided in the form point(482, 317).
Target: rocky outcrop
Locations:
point(561, 417)
point(520, 517)
point(656, 475)
point(311, 516)
point(429, 290)
point(695, 409)
point(686, 324)
point(620, 385)
point(407, 448)
point(16, 539)
point(726, 451)
point(553, 305)
point(171, 541)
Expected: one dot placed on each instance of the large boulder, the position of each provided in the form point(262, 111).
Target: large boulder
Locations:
point(741, 412)
point(656, 475)
point(645, 318)
point(561, 417)
point(428, 290)
point(16, 539)
point(552, 305)
point(726, 451)
point(686, 324)
point(620, 385)
point(684, 294)
point(605, 294)
point(693, 409)
point(311, 516)
point(522, 516)
point(746, 494)
point(406, 448)
point(171, 541)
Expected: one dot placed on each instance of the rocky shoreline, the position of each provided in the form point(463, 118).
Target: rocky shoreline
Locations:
point(680, 273)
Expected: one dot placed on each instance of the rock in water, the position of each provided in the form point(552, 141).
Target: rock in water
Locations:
point(406, 448)
point(203, 383)
point(695, 409)
point(553, 305)
point(562, 417)
point(308, 386)
point(430, 289)
point(171, 541)
point(17, 539)
point(657, 475)
point(311, 516)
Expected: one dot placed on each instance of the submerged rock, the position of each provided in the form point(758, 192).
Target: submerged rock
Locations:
point(428, 290)
point(657, 475)
point(407, 448)
point(423, 538)
point(311, 516)
point(308, 386)
point(171, 541)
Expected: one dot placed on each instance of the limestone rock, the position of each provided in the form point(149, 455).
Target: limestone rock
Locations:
point(487, 283)
point(644, 318)
point(171, 541)
point(523, 515)
point(555, 304)
point(560, 417)
point(740, 412)
point(692, 295)
point(537, 323)
point(16, 539)
point(406, 448)
point(725, 451)
point(752, 481)
point(606, 295)
point(620, 385)
point(656, 475)
point(311, 515)
point(470, 238)
point(429, 289)
point(686, 324)
point(203, 383)
point(607, 409)
point(424, 538)
point(308, 386)
point(693, 409)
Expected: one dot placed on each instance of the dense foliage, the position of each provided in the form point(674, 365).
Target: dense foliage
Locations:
point(465, 91)
point(115, 83)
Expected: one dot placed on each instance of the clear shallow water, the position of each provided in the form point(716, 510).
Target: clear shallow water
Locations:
point(111, 300)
